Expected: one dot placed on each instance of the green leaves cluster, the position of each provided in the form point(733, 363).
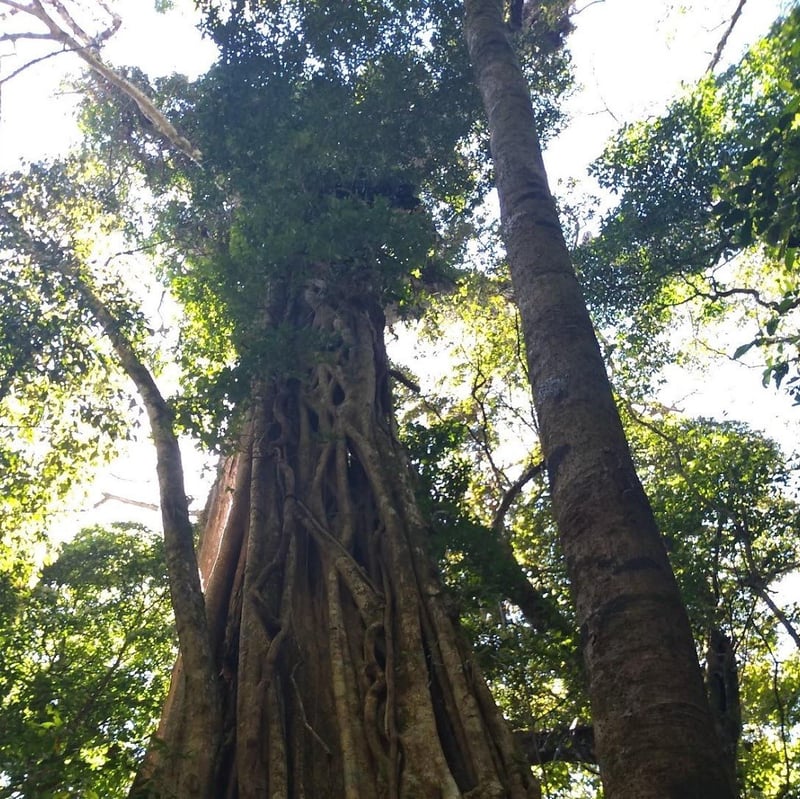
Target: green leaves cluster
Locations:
point(760, 189)
point(86, 656)
point(707, 214)
point(61, 404)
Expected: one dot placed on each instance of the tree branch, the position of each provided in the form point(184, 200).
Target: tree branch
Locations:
point(763, 594)
point(571, 745)
point(540, 612)
point(14, 37)
point(511, 495)
point(185, 589)
point(397, 375)
point(77, 40)
point(29, 64)
point(724, 40)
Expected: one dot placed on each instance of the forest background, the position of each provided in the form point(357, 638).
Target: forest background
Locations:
point(458, 433)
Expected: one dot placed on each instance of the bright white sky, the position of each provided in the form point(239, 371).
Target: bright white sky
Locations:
point(631, 57)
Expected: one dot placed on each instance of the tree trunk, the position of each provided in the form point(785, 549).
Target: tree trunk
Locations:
point(654, 735)
point(342, 669)
point(722, 684)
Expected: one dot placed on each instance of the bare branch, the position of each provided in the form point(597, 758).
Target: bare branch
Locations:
point(109, 497)
point(74, 38)
point(14, 37)
point(588, 5)
point(14, 6)
point(67, 18)
point(724, 40)
point(397, 375)
point(116, 21)
point(787, 625)
point(30, 64)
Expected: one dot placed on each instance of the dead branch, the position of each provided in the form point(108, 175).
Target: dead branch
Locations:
point(64, 29)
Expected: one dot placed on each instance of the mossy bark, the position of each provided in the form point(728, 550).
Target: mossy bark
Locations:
point(341, 666)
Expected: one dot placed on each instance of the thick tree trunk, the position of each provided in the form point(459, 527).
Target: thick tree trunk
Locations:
point(342, 669)
point(654, 735)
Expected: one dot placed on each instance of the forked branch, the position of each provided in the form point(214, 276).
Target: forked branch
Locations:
point(65, 30)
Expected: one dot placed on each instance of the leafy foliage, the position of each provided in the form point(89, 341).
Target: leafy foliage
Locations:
point(713, 178)
point(61, 404)
point(726, 501)
point(86, 654)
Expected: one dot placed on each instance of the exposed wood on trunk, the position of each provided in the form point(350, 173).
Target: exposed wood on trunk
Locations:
point(653, 729)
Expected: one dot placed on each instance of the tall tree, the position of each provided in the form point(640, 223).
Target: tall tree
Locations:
point(654, 734)
point(327, 191)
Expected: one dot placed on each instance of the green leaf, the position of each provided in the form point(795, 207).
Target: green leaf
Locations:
point(748, 156)
point(779, 372)
point(741, 350)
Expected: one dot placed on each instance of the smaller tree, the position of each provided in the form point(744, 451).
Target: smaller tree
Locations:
point(86, 652)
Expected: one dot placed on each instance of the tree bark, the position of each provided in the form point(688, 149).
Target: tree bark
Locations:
point(722, 684)
point(344, 673)
point(654, 735)
point(201, 735)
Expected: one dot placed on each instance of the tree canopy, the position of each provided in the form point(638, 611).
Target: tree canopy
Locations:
point(330, 172)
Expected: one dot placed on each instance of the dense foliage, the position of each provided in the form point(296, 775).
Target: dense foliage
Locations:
point(86, 654)
point(707, 216)
point(335, 140)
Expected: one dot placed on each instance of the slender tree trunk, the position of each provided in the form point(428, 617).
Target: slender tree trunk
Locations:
point(654, 734)
point(201, 735)
point(722, 684)
point(344, 674)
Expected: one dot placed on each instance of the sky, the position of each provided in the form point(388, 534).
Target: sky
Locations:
point(630, 56)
